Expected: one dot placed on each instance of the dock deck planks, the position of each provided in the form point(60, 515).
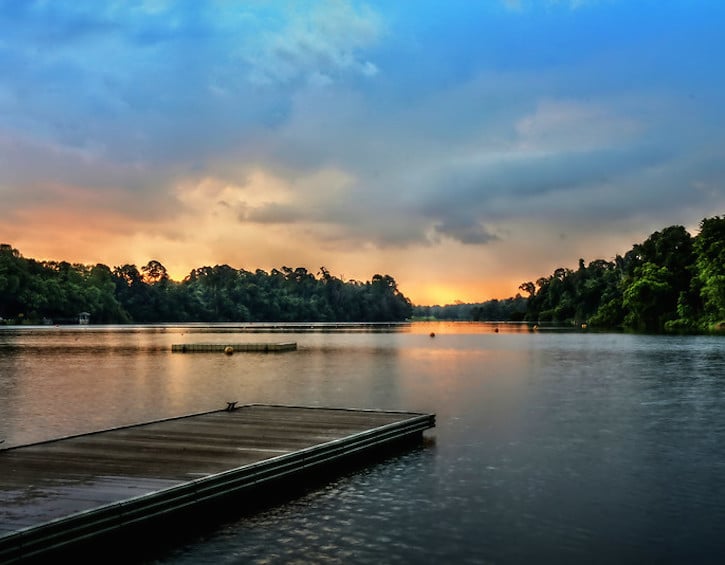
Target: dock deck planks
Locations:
point(57, 492)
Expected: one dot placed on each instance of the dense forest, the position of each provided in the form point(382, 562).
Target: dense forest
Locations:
point(57, 292)
point(672, 281)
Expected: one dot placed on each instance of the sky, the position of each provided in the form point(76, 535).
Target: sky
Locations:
point(461, 147)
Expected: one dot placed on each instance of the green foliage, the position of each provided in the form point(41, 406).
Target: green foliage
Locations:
point(58, 292)
point(710, 267)
point(646, 297)
point(671, 281)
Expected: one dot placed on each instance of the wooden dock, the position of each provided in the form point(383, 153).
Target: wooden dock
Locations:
point(232, 347)
point(56, 494)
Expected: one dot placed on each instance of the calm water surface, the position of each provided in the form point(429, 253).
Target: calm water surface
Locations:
point(551, 447)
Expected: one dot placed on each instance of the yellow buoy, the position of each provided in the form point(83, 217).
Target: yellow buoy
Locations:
point(228, 350)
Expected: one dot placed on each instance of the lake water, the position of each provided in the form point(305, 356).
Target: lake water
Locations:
point(550, 446)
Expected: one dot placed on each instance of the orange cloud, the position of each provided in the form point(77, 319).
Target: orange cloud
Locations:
point(205, 225)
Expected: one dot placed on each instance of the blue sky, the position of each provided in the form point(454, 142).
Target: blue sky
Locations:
point(462, 147)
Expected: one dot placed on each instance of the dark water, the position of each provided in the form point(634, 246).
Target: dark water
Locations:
point(551, 447)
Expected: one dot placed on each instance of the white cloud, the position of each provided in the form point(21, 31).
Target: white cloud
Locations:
point(323, 42)
point(574, 124)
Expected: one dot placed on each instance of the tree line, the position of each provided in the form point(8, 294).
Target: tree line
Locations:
point(57, 292)
point(671, 281)
point(495, 310)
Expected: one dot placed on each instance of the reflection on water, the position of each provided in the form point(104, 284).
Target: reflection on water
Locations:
point(550, 446)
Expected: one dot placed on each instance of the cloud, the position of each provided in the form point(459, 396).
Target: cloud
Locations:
point(467, 231)
point(169, 83)
point(420, 173)
point(317, 45)
point(575, 124)
point(37, 173)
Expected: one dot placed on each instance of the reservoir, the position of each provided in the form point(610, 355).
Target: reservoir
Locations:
point(552, 446)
